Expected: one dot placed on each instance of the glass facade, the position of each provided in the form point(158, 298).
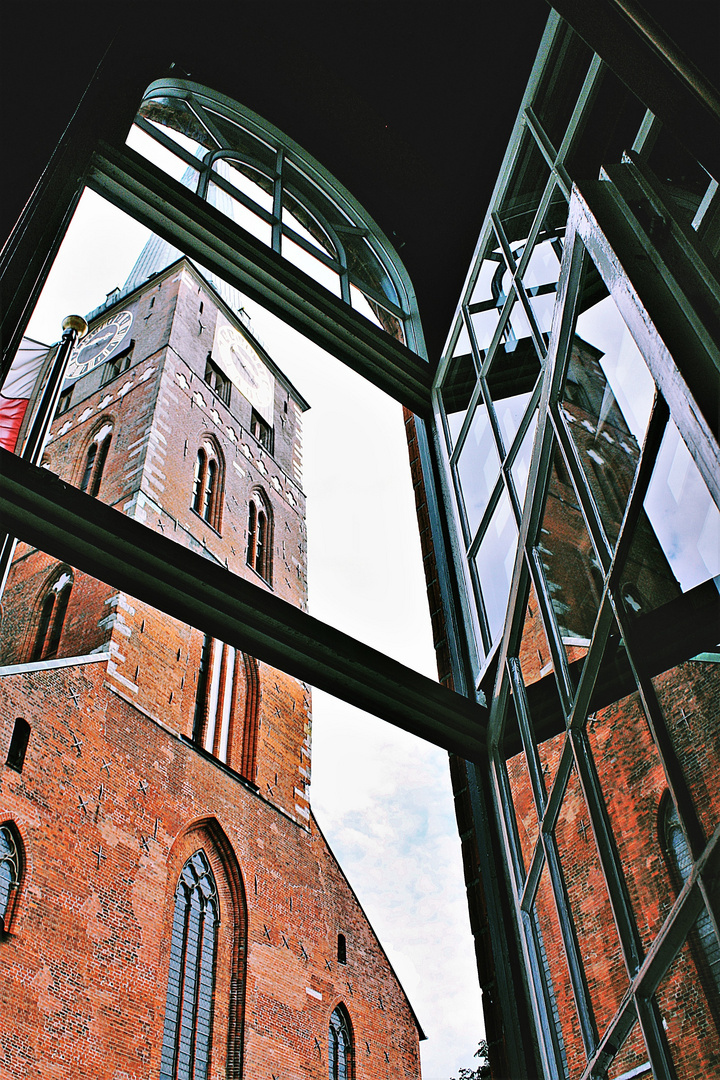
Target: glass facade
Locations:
point(581, 565)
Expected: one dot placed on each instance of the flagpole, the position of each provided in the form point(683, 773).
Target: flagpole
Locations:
point(74, 328)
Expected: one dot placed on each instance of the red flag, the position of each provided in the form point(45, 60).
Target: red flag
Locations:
point(18, 389)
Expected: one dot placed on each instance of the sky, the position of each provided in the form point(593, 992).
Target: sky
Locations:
point(381, 796)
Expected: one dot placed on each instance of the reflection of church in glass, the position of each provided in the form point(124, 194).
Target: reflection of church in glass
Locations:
point(161, 867)
point(580, 474)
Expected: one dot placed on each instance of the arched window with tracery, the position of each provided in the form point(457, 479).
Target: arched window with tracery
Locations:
point(260, 536)
point(52, 617)
point(187, 1031)
point(9, 874)
point(95, 460)
point(340, 1046)
point(207, 493)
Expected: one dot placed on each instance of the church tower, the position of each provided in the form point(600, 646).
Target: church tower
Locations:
point(171, 908)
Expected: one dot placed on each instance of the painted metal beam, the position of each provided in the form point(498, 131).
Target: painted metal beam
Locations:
point(70, 525)
point(200, 230)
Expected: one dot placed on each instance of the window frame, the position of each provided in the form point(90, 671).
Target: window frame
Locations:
point(180, 1025)
point(208, 489)
point(260, 535)
point(51, 613)
point(16, 860)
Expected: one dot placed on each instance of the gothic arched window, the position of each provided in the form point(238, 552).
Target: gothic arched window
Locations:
point(95, 461)
point(9, 874)
point(259, 549)
point(189, 1011)
point(207, 485)
point(52, 617)
point(340, 1048)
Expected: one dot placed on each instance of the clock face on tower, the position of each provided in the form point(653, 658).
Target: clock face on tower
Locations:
point(99, 344)
point(244, 366)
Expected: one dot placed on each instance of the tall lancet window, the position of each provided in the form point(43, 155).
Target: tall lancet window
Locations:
point(9, 874)
point(52, 618)
point(95, 461)
point(260, 536)
point(207, 484)
point(189, 1011)
point(340, 1052)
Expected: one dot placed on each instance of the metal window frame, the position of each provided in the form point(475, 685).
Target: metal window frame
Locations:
point(586, 239)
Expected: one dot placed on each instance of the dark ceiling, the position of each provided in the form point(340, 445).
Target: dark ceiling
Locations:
point(409, 105)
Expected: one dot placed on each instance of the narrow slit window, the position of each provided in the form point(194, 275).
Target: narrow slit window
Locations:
point(18, 745)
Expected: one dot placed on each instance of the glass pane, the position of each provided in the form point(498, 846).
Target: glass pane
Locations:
point(520, 468)
point(457, 387)
point(546, 713)
point(462, 346)
point(689, 1003)
point(561, 83)
point(179, 122)
point(364, 266)
point(683, 516)
point(550, 750)
point(567, 1035)
point(689, 697)
point(302, 221)
point(377, 314)
point(607, 399)
point(518, 776)
point(484, 324)
point(239, 213)
point(676, 545)
point(488, 284)
point(510, 412)
point(306, 262)
point(632, 1059)
point(633, 783)
point(609, 128)
point(249, 181)
point(494, 563)
point(170, 163)
point(681, 176)
point(517, 335)
point(534, 652)
point(477, 468)
point(605, 971)
point(573, 574)
point(527, 182)
point(250, 148)
point(543, 268)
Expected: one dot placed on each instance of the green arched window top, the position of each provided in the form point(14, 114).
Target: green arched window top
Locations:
point(268, 185)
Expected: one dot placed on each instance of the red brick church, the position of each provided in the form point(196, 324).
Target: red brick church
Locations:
point(170, 906)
